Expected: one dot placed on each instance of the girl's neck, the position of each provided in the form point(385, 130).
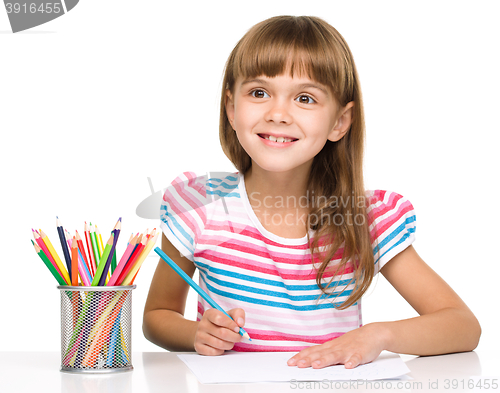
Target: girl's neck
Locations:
point(260, 183)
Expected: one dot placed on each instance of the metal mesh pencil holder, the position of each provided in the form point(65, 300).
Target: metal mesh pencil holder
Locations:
point(96, 327)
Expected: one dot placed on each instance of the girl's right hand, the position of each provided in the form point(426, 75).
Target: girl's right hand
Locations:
point(217, 333)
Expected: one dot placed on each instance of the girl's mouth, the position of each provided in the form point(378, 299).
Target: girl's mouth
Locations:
point(280, 139)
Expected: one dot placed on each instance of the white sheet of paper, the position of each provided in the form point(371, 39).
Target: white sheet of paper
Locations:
point(240, 367)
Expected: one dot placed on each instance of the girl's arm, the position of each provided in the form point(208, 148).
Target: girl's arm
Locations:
point(445, 324)
point(164, 323)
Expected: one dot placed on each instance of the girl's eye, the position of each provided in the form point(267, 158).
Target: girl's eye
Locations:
point(305, 99)
point(259, 94)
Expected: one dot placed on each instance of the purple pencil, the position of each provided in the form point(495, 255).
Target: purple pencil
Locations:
point(116, 231)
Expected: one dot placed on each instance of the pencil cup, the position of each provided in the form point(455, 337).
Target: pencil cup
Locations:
point(96, 329)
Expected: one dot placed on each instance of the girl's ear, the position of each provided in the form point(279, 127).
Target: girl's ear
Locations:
point(230, 107)
point(343, 123)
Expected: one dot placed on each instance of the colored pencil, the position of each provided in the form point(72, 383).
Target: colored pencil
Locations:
point(82, 249)
point(195, 286)
point(116, 232)
point(102, 261)
point(95, 249)
point(123, 261)
point(62, 238)
point(98, 238)
point(83, 270)
point(49, 265)
point(135, 269)
point(131, 261)
point(44, 248)
point(53, 252)
point(89, 249)
point(74, 263)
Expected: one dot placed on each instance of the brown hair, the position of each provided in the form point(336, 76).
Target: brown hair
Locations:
point(309, 45)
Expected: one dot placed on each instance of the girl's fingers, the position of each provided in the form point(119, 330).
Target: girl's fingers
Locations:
point(354, 361)
point(324, 358)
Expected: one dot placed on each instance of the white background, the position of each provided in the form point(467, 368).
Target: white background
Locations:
point(96, 101)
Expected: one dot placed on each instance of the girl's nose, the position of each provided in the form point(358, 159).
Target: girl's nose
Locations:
point(278, 112)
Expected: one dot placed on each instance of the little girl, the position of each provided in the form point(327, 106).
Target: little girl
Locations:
point(290, 243)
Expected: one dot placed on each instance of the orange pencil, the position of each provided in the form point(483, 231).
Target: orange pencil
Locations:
point(74, 262)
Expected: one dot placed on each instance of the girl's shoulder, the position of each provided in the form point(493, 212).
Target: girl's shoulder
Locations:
point(392, 223)
point(388, 206)
point(200, 189)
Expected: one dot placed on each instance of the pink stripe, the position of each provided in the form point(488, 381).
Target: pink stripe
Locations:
point(243, 347)
point(301, 315)
point(384, 225)
point(279, 336)
point(249, 265)
point(310, 328)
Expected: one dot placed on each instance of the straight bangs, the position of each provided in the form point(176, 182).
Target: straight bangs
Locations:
point(304, 46)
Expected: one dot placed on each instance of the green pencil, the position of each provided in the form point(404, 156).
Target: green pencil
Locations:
point(95, 248)
point(51, 267)
point(102, 261)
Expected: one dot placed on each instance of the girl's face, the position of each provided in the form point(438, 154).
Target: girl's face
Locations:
point(283, 122)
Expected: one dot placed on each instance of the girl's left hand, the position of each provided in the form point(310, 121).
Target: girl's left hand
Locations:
point(356, 347)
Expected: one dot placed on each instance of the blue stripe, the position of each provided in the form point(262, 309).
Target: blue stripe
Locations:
point(177, 226)
point(402, 240)
point(225, 185)
point(223, 194)
point(298, 298)
point(395, 233)
point(259, 280)
point(269, 302)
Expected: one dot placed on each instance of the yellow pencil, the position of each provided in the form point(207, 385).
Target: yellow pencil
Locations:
point(56, 258)
point(100, 245)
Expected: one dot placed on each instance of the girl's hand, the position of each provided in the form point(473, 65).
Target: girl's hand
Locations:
point(356, 347)
point(217, 333)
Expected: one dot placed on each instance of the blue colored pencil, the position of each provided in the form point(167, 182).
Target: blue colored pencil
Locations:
point(62, 238)
point(195, 286)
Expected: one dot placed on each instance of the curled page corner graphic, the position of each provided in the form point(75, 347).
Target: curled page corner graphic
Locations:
point(25, 14)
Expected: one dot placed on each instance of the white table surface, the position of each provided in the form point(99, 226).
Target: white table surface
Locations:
point(38, 372)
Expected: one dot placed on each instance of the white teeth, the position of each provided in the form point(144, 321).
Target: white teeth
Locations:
point(279, 139)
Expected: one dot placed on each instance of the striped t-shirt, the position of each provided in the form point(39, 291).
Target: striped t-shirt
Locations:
point(242, 265)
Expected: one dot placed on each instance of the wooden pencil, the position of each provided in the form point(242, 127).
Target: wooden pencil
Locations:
point(64, 245)
point(129, 279)
point(123, 261)
point(74, 263)
point(131, 261)
point(49, 265)
point(82, 250)
point(116, 232)
point(89, 248)
point(102, 262)
point(45, 250)
point(95, 249)
point(53, 252)
point(98, 239)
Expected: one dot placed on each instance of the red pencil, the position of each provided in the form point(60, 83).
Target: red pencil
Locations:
point(82, 250)
point(131, 261)
point(91, 256)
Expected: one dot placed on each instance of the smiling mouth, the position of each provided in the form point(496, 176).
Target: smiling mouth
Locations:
point(273, 138)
